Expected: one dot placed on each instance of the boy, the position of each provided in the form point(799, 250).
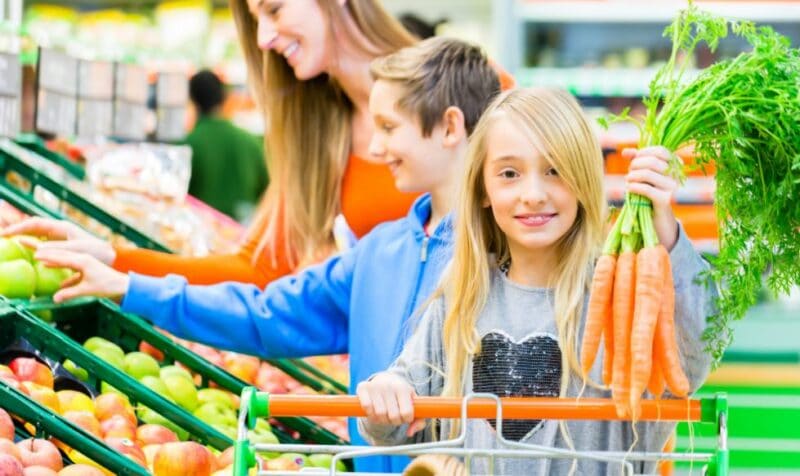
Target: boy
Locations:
point(425, 102)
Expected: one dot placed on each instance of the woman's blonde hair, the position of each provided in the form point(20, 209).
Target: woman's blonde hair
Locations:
point(308, 131)
point(553, 121)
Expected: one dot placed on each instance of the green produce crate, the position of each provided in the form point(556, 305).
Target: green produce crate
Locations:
point(47, 423)
point(24, 200)
point(35, 144)
point(72, 435)
point(10, 162)
point(54, 345)
point(87, 317)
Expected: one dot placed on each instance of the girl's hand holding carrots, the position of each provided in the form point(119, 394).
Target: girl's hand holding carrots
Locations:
point(648, 177)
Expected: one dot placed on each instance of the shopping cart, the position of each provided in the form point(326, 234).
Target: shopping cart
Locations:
point(713, 411)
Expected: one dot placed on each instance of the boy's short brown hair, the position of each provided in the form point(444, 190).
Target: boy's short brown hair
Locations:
point(438, 73)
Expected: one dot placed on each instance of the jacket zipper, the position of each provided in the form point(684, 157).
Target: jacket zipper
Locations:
point(424, 254)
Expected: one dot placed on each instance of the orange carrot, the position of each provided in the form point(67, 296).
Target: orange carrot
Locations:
point(596, 316)
point(608, 345)
point(656, 384)
point(667, 346)
point(623, 302)
point(649, 290)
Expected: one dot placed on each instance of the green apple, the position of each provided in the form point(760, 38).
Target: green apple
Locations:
point(320, 460)
point(80, 373)
point(267, 438)
point(17, 279)
point(229, 431)
point(206, 395)
point(48, 280)
point(10, 250)
point(44, 314)
point(215, 413)
point(111, 356)
point(156, 385)
point(106, 388)
point(182, 391)
point(139, 364)
point(94, 343)
point(147, 415)
point(175, 371)
point(263, 426)
point(27, 252)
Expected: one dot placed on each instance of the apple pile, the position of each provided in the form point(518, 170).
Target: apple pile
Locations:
point(266, 377)
point(22, 276)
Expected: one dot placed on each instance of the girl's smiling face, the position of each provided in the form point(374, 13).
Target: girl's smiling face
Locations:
point(530, 202)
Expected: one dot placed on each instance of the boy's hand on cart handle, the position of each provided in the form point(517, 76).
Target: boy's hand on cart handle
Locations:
point(388, 399)
point(62, 235)
point(648, 176)
point(91, 278)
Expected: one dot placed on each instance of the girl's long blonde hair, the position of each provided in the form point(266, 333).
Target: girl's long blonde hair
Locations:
point(552, 120)
point(308, 132)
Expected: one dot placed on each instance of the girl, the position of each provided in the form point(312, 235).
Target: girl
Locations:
point(508, 316)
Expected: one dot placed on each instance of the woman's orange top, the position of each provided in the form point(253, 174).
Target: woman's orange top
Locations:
point(369, 197)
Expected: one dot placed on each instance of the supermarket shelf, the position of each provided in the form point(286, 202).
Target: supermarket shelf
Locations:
point(659, 11)
point(593, 82)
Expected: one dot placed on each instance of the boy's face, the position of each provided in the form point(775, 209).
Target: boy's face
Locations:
point(530, 202)
point(418, 164)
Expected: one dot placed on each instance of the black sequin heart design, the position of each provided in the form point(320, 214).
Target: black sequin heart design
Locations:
point(531, 368)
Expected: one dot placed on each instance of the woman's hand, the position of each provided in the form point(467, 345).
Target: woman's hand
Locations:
point(389, 400)
point(91, 278)
point(63, 236)
point(648, 177)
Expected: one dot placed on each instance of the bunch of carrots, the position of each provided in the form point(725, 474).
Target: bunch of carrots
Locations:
point(632, 307)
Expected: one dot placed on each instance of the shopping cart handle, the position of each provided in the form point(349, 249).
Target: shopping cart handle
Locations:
point(443, 407)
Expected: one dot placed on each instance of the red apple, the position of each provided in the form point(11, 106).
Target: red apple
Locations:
point(118, 426)
point(183, 459)
point(150, 452)
point(6, 425)
point(7, 447)
point(80, 470)
point(28, 369)
point(5, 371)
point(128, 448)
point(10, 466)
point(85, 420)
point(225, 458)
point(45, 396)
point(151, 434)
point(39, 471)
point(284, 464)
point(209, 353)
point(243, 366)
point(14, 383)
point(151, 351)
point(110, 404)
point(38, 452)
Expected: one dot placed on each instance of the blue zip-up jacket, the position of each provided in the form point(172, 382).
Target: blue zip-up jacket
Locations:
point(358, 302)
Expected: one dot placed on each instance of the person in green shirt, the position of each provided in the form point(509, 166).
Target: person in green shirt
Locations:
point(228, 168)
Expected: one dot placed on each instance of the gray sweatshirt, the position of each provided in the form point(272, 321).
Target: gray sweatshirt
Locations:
point(520, 356)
